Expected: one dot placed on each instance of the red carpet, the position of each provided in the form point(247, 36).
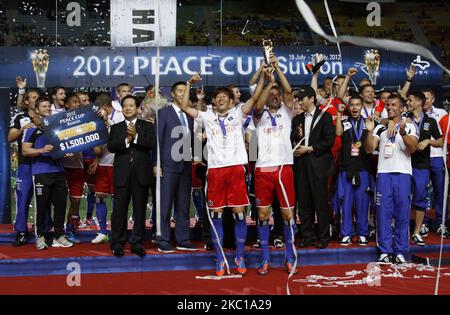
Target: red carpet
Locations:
point(394, 280)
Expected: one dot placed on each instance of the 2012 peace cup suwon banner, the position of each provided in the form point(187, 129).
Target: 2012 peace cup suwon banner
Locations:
point(75, 131)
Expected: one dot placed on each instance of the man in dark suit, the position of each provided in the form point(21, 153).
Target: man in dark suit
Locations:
point(313, 163)
point(175, 133)
point(131, 141)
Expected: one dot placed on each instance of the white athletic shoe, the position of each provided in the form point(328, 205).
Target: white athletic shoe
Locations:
point(424, 230)
point(400, 259)
point(384, 259)
point(363, 241)
point(40, 243)
point(61, 242)
point(442, 231)
point(100, 238)
point(417, 239)
point(346, 240)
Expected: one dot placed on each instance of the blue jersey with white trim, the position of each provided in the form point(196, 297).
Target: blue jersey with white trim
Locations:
point(43, 163)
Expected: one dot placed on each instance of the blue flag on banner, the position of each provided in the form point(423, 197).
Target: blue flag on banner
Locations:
point(75, 131)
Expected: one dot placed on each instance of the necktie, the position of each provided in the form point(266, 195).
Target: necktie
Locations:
point(181, 116)
point(183, 121)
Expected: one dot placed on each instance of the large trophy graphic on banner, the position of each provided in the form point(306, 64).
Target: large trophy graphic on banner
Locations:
point(40, 59)
point(372, 60)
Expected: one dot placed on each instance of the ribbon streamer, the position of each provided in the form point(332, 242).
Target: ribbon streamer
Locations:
point(330, 19)
point(444, 208)
point(158, 155)
point(225, 260)
point(294, 267)
point(218, 277)
point(387, 44)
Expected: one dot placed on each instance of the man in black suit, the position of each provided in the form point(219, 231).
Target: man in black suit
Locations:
point(131, 141)
point(313, 163)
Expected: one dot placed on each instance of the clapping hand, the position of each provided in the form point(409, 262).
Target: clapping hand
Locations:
point(301, 150)
point(299, 132)
point(131, 131)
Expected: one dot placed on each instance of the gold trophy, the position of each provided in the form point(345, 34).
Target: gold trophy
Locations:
point(40, 59)
point(372, 61)
point(267, 47)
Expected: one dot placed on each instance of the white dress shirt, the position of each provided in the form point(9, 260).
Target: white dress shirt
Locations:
point(308, 123)
point(178, 111)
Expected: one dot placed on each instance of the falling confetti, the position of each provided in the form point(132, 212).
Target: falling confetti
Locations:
point(243, 30)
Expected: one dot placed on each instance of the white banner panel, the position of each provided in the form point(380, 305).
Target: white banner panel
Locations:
point(143, 23)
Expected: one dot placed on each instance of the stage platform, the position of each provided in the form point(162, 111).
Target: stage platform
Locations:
point(97, 259)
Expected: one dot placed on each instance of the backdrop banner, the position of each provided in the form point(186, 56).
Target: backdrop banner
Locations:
point(106, 66)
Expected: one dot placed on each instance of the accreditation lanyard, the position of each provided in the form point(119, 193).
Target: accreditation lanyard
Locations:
point(371, 111)
point(222, 125)
point(419, 125)
point(358, 131)
point(272, 120)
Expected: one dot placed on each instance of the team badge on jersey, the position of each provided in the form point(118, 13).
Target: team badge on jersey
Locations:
point(24, 121)
point(426, 126)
